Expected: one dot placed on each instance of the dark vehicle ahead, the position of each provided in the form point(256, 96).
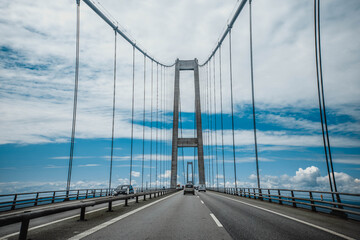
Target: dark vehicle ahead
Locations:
point(123, 189)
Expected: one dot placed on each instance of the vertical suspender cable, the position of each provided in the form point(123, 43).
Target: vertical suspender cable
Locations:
point(132, 113)
point(151, 121)
point(232, 110)
point(75, 97)
point(181, 135)
point(160, 137)
point(211, 129)
point(216, 152)
point(222, 120)
point(321, 98)
point(157, 122)
point(113, 117)
point(324, 107)
point(253, 100)
point(143, 141)
point(208, 118)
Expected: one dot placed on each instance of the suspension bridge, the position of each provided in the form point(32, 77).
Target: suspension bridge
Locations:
point(158, 209)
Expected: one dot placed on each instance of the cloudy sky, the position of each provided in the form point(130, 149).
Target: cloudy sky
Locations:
point(37, 51)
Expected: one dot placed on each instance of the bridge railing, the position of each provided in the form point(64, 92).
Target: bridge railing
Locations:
point(321, 201)
point(24, 216)
point(30, 199)
point(14, 201)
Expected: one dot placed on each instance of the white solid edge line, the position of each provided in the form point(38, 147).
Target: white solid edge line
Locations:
point(105, 224)
point(60, 220)
point(294, 219)
point(216, 220)
point(202, 201)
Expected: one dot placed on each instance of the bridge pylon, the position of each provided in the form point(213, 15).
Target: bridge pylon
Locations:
point(197, 142)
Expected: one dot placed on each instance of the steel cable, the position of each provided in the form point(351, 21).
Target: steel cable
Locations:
point(253, 99)
point(143, 140)
point(132, 114)
point(216, 152)
point(113, 116)
point(222, 120)
point(232, 110)
point(151, 120)
point(75, 96)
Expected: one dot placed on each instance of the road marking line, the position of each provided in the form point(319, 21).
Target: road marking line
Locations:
point(202, 201)
point(294, 219)
point(216, 220)
point(105, 224)
point(60, 220)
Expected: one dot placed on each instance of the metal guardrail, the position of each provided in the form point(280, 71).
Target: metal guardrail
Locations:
point(10, 202)
point(315, 200)
point(25, 216)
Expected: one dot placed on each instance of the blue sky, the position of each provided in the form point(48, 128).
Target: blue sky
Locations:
point(36, 91)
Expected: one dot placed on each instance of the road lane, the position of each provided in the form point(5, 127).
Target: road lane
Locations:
point(178, 217)
point(243, 221)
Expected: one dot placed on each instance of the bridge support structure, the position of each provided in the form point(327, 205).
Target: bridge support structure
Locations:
point(187, 65)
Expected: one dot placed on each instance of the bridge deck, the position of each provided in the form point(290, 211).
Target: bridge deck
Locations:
point(177, 216)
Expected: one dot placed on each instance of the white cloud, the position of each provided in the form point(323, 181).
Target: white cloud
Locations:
point(306, 179)
point(36, 104)
point(135, 174)
point(89, 165)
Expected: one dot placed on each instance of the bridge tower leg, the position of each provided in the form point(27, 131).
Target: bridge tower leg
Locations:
point(187, 65)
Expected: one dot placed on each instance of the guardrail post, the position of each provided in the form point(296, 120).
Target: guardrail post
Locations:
point(292, 194)
point(249, 192)
point(110, 207)
point(101, 193)
point(82, 214)
point(144, 197)
point(137, 199)
point(269, 197)
point(126, 202)
point(36, 200)
point(53, 198)
point(312, 202)
point(280, 202)
point(14, 202)
point(150, 195)
point(24, 227)
point(94, 195)
point(254, 193)
point(87, 191)
point(77, 195)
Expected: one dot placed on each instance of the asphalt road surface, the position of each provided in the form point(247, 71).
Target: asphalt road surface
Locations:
point(253, 219)
point(177, 217)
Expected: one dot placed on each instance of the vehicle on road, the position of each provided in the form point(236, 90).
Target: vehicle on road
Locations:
point(178, 187)
point(189, 188)
point(202, 187)
point(123, 189)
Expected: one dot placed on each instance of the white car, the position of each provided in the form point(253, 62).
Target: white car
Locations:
point(202, 187)
point(189, 188)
